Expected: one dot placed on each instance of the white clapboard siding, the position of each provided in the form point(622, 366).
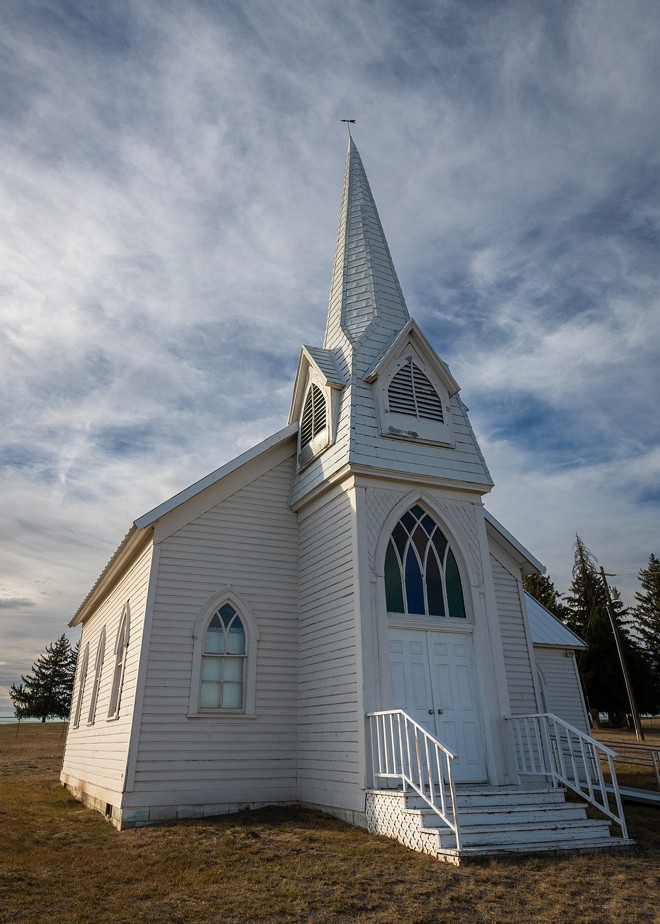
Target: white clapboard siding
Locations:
point(517, 663)
point(250, 542)
point(96, 755)
point(329, 707)
point(561, 685)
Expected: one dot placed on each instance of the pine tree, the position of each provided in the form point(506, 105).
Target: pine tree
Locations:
point(646, 615)
point(600, 665)
point(542, 589)
point(47, 690)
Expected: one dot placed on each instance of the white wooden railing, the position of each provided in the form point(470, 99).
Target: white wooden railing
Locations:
point(403, 750)
point(547, 746)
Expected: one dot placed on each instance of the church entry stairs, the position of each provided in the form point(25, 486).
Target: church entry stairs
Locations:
point(416, 799)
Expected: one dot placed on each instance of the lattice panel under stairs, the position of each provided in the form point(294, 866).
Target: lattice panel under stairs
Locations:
point(495, 821)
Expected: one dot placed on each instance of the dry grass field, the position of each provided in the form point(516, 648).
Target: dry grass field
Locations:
point(61, 863)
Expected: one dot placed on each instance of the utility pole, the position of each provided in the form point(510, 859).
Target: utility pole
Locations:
point(624, 667)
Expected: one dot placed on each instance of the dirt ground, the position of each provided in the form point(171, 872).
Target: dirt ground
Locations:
point(62, 863)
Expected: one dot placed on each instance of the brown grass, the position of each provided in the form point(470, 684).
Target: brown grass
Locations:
point(62, 863)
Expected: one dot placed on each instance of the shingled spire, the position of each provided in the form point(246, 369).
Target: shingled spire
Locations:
point(364, 282)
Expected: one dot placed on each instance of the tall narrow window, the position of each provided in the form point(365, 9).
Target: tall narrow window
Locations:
point(223, 661)
point(421, 574)
point(412, 394)
point(314, 416)
point(98, 667)
point(82, 678)
point(121, 648)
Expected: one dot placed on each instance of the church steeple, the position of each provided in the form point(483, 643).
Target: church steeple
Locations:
point(364, 284)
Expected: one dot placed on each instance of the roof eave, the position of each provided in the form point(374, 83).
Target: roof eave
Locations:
point(527, 561)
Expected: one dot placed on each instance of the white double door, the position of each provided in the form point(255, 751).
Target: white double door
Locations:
point(433, 680)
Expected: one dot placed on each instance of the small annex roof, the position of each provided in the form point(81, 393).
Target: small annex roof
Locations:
point(139, 533)
point(520, 554)
point(547, 630)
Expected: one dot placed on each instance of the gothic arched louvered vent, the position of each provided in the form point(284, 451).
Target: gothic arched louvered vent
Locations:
point(313, 419)
point(411, 393)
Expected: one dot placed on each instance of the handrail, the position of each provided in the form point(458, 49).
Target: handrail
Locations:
point(629, 753)
point(403, 749)
point(546, 745)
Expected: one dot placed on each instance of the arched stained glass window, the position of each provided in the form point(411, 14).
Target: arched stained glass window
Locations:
point(421, 574)
point(223, 661)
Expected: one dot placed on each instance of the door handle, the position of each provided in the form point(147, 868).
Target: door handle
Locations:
point(430, 712)
point(440, 711)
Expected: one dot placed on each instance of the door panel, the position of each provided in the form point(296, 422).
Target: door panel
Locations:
point(433, 679)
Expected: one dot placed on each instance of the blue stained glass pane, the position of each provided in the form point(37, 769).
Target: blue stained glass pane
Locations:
point(434, 586)
point(428, 523)
point(393, 586)
point(414, 589)
point(454, 588)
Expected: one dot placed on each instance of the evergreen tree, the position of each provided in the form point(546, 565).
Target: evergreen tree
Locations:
point(646, 615)
point(600, 665)
point(542, 589)
point(47, 690)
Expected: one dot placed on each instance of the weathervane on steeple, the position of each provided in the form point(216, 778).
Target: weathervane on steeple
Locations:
point(348, 122)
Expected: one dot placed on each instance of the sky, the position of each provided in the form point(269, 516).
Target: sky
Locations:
point(170, 181)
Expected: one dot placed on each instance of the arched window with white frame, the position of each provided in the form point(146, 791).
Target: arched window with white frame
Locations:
point(121, 650)
point(98, 668)
point(223, 679)
point(223, 661)
point(421, 573)
point(82, 678)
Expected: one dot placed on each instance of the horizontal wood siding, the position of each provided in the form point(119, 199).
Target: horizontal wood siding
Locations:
point(514, 641)
point(248, 541)
point(96, 754)
point(561, 686)
point(329, 707)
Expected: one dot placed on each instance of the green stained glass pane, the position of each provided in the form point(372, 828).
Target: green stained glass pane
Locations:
point(454, 588)
point(417, 511)
point(393, 587)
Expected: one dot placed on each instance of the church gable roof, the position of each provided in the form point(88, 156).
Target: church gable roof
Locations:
point(412, 333)
point(364, 284)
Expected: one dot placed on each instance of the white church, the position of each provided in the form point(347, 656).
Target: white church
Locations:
point(334, 620)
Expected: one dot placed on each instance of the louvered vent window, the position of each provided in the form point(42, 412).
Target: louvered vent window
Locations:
point(313, 416)
point(411, 393)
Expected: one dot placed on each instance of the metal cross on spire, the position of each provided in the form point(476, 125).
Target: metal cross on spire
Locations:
point(348, 122)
